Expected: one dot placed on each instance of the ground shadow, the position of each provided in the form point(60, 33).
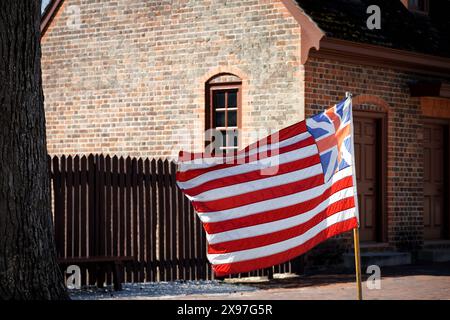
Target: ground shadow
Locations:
point(325, 278)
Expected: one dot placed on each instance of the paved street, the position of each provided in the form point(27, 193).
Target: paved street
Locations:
point(409, 282)
point(399, 288)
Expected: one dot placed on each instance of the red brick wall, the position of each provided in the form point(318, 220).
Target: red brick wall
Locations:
point(382, 90)
point(130, 78)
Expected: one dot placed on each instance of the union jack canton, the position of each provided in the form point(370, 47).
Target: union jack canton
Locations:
point(333, 134)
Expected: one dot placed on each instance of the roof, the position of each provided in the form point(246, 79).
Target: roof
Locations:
point(400, 28)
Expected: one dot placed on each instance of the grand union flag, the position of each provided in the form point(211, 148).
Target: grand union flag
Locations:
point(277, 198)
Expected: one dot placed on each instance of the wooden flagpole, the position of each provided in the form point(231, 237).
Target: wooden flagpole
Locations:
point(357, 261)
point(356, 230)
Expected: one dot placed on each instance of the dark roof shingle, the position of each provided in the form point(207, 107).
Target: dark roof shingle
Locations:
point(400, 28)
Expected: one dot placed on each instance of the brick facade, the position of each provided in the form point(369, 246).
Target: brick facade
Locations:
point(130, 80)
point(382, 90)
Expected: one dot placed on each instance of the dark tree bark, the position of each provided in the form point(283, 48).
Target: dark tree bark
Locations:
point(28, 268)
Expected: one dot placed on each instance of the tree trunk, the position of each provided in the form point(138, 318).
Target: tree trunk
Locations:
point(28, 268)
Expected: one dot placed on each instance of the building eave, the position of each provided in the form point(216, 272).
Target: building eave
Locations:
point(310, 31)
point(367, 54)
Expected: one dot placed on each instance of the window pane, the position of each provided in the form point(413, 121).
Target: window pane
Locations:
point(224, 139)
point(232, 118)
point(232, 99)
point(218, 141)
point(219, 120)
point(232, 138)
point(219, 99)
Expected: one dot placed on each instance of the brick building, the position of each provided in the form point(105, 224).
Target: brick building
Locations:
point(138, 77)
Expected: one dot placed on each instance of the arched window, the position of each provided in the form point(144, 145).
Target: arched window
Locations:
point(223, 112)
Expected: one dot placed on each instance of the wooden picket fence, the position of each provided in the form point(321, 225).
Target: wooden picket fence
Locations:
point(115, 206)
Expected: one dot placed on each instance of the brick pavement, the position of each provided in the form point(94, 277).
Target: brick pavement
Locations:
point(399, 283)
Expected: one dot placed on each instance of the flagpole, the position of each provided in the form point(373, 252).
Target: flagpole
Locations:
point(357, 261)
point(349, 95)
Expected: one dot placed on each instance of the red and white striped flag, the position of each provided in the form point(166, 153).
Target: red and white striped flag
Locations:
point(277, 198)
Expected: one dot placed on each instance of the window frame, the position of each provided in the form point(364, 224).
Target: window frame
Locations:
point(210, 112)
